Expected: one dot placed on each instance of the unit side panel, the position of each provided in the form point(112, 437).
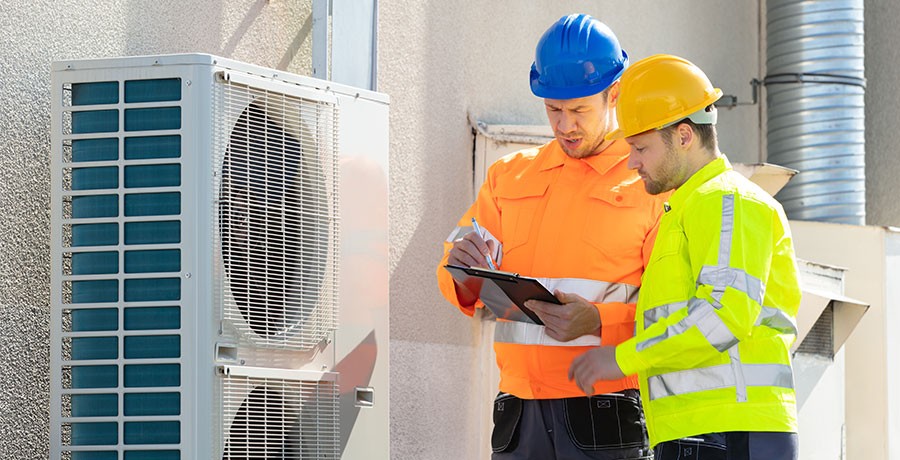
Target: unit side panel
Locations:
point(362, 340)
point(120, 308)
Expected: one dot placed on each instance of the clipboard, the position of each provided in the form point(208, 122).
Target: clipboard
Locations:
point(504, 293)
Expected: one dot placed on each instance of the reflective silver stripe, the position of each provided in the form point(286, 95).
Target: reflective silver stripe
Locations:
point(670, 331)
point(533, 334)
point(722, 376)
point(653, 315)
point(778, 320)
point(593, 290)
point(726, 230)
point(725, 236)
point(740, 382)
point(769, 317)
point(703, 315)
point(721, 277)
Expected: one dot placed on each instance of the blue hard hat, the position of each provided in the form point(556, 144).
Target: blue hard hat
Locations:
point(577, 56)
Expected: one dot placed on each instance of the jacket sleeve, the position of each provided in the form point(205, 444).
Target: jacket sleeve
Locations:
point(485, 210)
point(730, 244)
point(616, 322)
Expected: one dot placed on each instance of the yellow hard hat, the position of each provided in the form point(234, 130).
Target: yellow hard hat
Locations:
point(659, 90)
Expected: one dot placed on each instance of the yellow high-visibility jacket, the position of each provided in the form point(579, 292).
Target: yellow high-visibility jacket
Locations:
point(716, 312)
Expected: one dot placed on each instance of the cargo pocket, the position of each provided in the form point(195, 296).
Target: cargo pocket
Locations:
point(507, 412)
point(608, 421)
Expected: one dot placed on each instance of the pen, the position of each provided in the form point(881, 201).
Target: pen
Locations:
point(490, 261)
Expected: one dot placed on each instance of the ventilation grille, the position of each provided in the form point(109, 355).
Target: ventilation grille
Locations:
point(274, 418)
point(277, 221)
point(119, 298)
point(820, 339)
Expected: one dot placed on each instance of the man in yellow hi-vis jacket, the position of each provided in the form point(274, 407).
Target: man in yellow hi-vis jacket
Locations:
point(715, 316)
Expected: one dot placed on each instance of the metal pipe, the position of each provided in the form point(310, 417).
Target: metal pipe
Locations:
point(815, 91)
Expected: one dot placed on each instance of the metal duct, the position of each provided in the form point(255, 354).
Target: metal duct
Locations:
point(816, 110)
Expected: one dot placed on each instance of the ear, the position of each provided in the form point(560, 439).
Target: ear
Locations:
point(685, 135)
point(613, 97)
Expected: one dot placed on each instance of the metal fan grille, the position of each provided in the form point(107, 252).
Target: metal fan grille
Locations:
point(271, 418)
point(277, 220)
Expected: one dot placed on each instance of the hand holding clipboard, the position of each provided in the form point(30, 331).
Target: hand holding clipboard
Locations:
point(503, 293)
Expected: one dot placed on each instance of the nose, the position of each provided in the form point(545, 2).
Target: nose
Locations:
point(566, 123)
point(633, 162)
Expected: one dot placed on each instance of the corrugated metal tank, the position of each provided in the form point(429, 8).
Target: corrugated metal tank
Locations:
point(815, 90)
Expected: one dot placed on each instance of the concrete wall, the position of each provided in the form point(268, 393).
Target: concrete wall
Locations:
point(272, 33)
point(441, 60)
point(882, 112)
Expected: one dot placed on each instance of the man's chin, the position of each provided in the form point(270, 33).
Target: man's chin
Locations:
point(577, 153)
point(652, 188)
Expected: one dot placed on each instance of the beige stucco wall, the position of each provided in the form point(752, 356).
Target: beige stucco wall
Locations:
point(272, 33)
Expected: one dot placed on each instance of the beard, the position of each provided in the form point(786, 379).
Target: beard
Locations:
point(653, 187)
point(667, 175)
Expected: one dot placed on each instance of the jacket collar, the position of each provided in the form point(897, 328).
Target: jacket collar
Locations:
point(612, 155)
point(707, 172)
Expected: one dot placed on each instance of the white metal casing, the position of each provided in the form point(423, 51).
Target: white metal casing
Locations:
point(350, 353)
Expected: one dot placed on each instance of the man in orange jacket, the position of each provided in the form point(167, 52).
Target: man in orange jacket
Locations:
point(573, 215)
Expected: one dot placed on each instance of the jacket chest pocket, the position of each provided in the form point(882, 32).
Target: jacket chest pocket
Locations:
point(669, 275)
point(518, 206)
point(614, 224)
point(670, 242)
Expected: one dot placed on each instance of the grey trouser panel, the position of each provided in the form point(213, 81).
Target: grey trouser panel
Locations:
point(740, 445)
point(602, 427)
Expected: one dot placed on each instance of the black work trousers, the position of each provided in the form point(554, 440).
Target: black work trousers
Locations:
point(603, 427)
point(739, 445)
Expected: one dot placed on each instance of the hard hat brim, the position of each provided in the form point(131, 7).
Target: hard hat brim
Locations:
point(618, 133)
point(576, 91)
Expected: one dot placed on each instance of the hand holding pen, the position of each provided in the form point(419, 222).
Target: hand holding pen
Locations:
point(487, 255)
point(471, 250)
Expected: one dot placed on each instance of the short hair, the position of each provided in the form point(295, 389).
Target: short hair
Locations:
point(706, 133)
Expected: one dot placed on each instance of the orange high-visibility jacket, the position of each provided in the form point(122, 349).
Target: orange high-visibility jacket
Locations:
point(580, 226)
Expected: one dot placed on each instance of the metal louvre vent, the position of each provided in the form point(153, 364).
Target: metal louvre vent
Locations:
point(820, 339)
point(274, 418)
point(277, 215)
point(116, 322)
